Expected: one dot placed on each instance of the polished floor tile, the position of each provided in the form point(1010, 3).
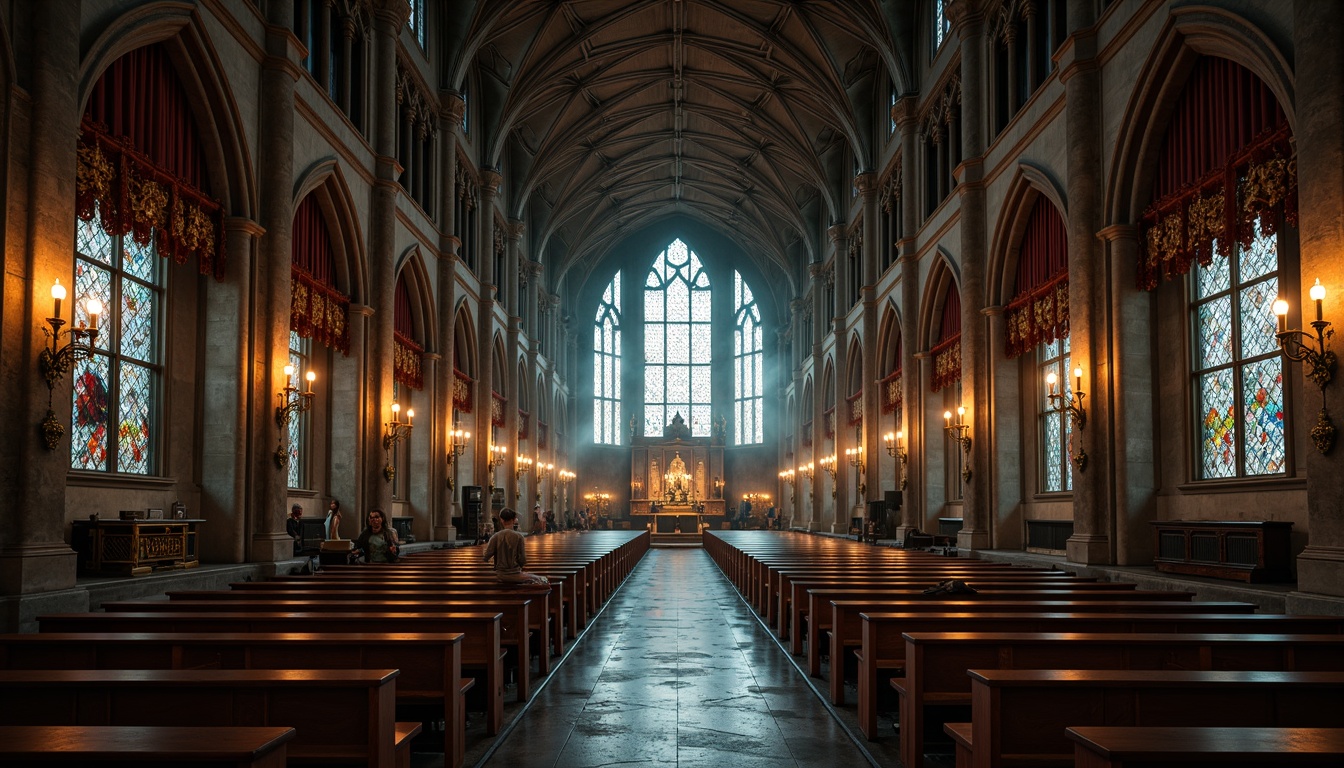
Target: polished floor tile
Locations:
point(676, 672)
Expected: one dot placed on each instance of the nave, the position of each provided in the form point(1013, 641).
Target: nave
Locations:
point(677, 671)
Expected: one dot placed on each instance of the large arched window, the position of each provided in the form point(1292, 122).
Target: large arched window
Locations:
point(299, 354)
point(607, 366)
point(677, 341)
point(748, 365)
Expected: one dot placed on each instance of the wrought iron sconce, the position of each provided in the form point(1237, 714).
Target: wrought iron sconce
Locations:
point(961, 433)
point(1300, 347)
point(808, 470)
point(790, 476)
point(543, 472)
point(600, 500)
point(828, 463)
point(565, 477)
point(493, 458)
point(1072, 404)
point(396, 432)
point(292, 403)
point(896, 449)
point(521, 467)
point(855, 457)
point(55, 360)
point(457, 445)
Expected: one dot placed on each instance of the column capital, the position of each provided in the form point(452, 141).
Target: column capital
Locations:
point(906, 113)
point(964, 15)
point(1117, 232)
point(452, 107)
point(867, 185)
point(397, 12)
point(491, 180)
point(514, 230)
point(836, 232)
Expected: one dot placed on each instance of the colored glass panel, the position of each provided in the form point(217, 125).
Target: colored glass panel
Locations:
point(92, 282)
point(91, 409)
point(1261, 258)
point(1218, 437)
point(607, 366)
point(1213, 279)
point(294, 429)
point(139, 261)
point(134, 402)
point(137, 320)
point(92, 241)
point(1258, 322)
point(1215, 332)
point(1262, 399)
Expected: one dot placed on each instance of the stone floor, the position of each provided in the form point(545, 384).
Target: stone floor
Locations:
point(677, 671)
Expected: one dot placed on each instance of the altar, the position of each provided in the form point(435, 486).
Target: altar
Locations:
point(675, 479)
point(668, 518)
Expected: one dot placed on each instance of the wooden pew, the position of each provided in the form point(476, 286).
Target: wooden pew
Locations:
point(513, 627)
point(936, 662)
point(354, 726)
point(847, 624)
point(480, 646)
point(1167, 747)
point(883, 646)
point(1019, 716)
point(35, 746)
point(431, 665)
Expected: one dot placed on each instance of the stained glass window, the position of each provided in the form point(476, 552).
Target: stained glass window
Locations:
point(298, 424)
point(1056, 427)
point(676, 341)
point(1237, 373)
point(941, 26)
point(416, 21)
point(607, 366)
point(748, 366)
point(114, 408)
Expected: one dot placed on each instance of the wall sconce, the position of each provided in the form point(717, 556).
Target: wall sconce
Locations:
point(855, 457)
point(896, 449)
point(598, 499)
point(790, 477)
point(754, 497)
point(718, 487)
point(808, 470)
point(292, 403)
point(1299, 347)
point(457, 445)
point(636, 488)
point(565, 477)
point(960, 432)
point(55, 361)
point(521, 467)
point(1072, 404)
point(494, 458)
point(828, 463)
point(396, 432)
point(543, 471)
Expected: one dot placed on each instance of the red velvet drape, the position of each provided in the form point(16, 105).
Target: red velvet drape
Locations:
point(947, 352)
point(310, 244)
point(1045, 248)
point(402, 320)
point(318, 309)
point(1039, 311)
point(951, 325)
point(140, 98)
point(1223, 108)
point(407, 356)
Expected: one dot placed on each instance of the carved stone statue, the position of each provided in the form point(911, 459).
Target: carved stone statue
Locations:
point(677, 430)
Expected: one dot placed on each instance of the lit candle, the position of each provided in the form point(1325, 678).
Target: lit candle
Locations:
point(1051, 379)
point(409, 415)
point(1318, 296)
point(1077, 379)
point(1281, 310)
point(947, 417)
point(311, 377)
point(900, 439)
point(961, 414)
point(57, 295)
point(396, 413)
point(95, 308)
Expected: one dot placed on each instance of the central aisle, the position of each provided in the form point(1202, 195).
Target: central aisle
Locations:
point(676, 672)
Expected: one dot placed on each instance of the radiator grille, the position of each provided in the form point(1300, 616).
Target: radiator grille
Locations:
point(1242, 550)
point(1204, 547)
point(1049, 534)
point(1171, 545)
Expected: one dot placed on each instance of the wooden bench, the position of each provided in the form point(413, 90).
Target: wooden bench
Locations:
point(1169, 747)
point(847, 623)
point(481, 650)
point(355, 724)
point(32, 746)
point(430, 665)
point(883, 646)
point(936, 663)
point(513, 628)
point(1019, 716)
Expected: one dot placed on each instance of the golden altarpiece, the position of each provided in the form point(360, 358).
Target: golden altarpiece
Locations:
point(676, 480)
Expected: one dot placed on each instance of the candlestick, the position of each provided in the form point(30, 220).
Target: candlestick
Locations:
point(95, 308)
point(311, 377)
point(57, 294)
point(1318, 296)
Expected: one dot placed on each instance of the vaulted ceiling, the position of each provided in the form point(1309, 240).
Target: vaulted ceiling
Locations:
point(748, 116)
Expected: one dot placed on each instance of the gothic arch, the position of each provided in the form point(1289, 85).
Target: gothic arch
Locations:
point(854, 359)
point(464, 342)
point(524, 398)
point(412, 269)
point(1030, 183)
point(498, 380)
point(889, 340)
point(943, 274)
point(326, 183)
point(1190, 32)
point(218, 126)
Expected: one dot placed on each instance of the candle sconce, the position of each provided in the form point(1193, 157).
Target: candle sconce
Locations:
point(807, 471)
point(636, 488)
point(493, 458)
point(1071, 404)
point(718, 487)
point(292, 403)
point(1315, 354)
point(961, 434)
point(396, 432)
point(828, 464)
point(565, 477)
point(56, 360)
point(896, 449)
point(457, 445)
point(543, 472)
point(790, 476)
point(855, 457)
point(520, 468)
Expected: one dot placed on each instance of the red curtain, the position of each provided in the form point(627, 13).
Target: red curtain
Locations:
point(140, 98)
point(310, 244)
point(951, 325)
point(1039, 311)
point(407, 356)
point(318, 310)
point(947, 352)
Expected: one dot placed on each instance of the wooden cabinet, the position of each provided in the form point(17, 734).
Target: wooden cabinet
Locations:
point(134, 547)
point(1252, 551)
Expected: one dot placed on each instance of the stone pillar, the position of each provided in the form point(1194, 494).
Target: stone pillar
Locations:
point(449, 264)
point(513, 487)
point(224, 442)
point(976, 495)
point(513, 234)
point(1318, 28)
point(280, 70)
point(871, 438)
point(389, 18)
point(912, 388)
point(1005, 513)
point(818, 272)
point(485, 324)
point(35, 563)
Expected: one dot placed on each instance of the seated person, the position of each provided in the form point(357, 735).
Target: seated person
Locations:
point(376, 543)
point(506, 549)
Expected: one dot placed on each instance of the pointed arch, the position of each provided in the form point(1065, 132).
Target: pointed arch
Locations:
point(325, 183)
point(1030, 184)
point(464, 342)
point(413, 324)
point(179, 28)
point(889, 340)
point(828, 397)
point(942, 325)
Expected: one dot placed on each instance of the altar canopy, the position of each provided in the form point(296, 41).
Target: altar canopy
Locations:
point(676, 473)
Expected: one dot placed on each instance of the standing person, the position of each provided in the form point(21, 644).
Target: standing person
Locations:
point(506, 549)
point(539, 517)
point(331, 526)
point(294, 527)
point(377, 543)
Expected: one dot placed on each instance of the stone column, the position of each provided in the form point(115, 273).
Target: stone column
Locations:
point(1318, 28)
point(818, 272)
point(485, 325)
point(912, 388)
point(389, 18)
point(279, 72)
point(841, 490)
point(1092, 521)
point(871, 438)
point(969, 26)
point(35, 563)
point(444, 499)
